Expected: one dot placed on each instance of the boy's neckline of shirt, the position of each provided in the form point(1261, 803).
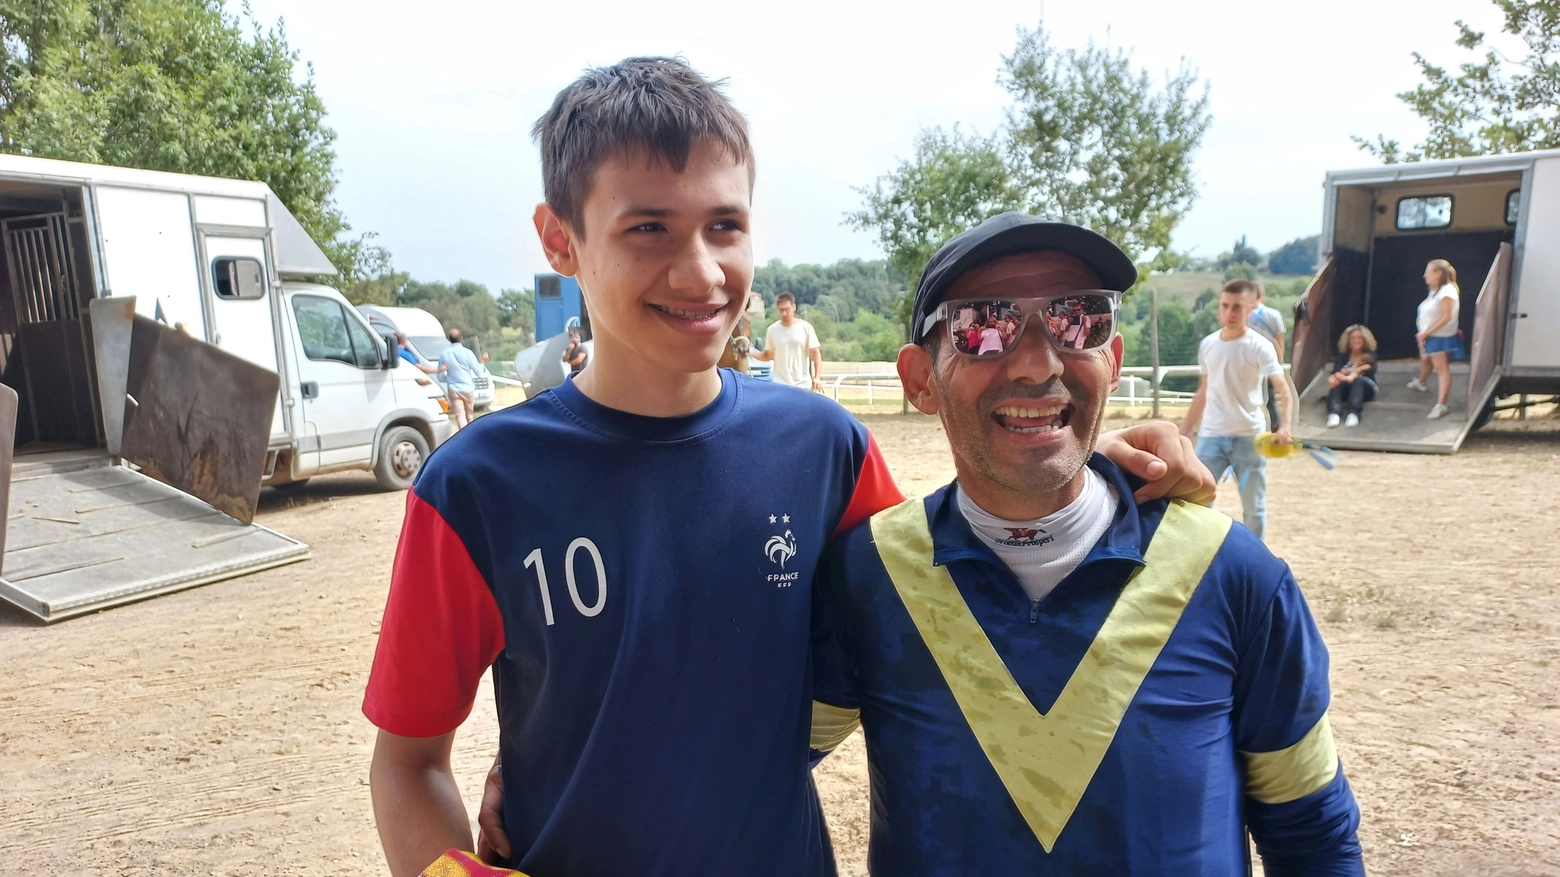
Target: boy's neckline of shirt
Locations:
point(626, 426)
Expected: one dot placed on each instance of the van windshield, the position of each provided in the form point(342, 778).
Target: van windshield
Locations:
point(430, 346)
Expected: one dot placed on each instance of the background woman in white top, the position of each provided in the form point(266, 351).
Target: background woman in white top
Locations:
point(1437, 335)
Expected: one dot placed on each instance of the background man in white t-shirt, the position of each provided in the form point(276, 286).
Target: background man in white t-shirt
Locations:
point(1235, 362)
point(789, 344)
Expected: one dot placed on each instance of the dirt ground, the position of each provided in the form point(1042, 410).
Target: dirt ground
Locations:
point(217, 731)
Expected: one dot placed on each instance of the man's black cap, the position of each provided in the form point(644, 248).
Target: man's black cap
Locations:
point(1009, 233)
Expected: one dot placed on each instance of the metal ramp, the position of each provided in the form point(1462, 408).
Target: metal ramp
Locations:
point(1396, 420)
point(84, 535)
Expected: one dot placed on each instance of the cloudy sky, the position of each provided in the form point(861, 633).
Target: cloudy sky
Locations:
point(433, 102)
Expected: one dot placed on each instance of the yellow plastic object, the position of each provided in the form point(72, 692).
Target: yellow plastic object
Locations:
point(1269, 448)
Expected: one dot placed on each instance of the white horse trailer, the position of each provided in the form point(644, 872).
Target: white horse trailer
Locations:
point(1497, 220)
point(168, 354)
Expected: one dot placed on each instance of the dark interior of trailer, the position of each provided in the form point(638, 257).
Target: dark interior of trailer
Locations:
point(46, 283)
point(1385, 235)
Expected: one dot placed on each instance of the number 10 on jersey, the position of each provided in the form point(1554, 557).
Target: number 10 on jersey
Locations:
point(535, 559)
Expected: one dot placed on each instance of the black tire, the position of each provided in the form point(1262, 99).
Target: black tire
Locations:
point(481, 407)
point(402, 451)
point(1485, 415)
point(290, 485)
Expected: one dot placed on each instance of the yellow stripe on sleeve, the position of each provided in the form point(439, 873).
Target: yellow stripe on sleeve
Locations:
point(1290, 774)
point(831, 725)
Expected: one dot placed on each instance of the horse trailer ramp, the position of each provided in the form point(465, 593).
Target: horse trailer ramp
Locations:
point(1396, 420)
point(84, 535)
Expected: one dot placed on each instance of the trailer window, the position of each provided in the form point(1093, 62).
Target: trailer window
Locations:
point(238, 278)
point(1513, 204)
point(1424, 211)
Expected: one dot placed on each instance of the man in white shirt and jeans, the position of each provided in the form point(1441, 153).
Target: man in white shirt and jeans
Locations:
point(1235, 361)
point(789, 344)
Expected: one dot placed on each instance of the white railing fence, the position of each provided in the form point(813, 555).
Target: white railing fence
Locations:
point(1136, 385)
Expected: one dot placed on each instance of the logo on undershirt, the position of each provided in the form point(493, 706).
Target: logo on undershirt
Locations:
point(779, 549)
point(1024, 537)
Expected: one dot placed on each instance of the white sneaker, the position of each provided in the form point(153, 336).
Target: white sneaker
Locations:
point(1353, 420)
point(1416, 384)
point(1332, 420)
point(1438, 412)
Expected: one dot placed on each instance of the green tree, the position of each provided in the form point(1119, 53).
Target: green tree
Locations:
point(1491, 105)
point(176, 85)
point(953, 182)
point(517, 310)
point(467, 305)
point(1088, 139)
point(1181, 330)
point(1240, 254)
point(1296, 257)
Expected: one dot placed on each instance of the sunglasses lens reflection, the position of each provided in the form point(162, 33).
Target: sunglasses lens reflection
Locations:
point(991, 328)
point(1080, 322)
point(985, 328)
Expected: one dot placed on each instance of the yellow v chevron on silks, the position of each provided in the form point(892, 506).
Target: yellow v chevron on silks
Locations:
point(1046, 761)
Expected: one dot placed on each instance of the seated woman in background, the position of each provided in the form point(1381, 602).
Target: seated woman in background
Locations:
point(1351, 383)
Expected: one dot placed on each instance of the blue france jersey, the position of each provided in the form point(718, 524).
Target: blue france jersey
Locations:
point(641, 588)
point(1168, 692)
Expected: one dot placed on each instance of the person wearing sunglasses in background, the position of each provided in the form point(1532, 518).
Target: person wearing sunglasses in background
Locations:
point(1051, 678)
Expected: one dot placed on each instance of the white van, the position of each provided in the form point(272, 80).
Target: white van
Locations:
point(168, 353)
point(428, 341)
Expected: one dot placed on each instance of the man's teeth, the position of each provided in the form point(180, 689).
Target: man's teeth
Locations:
point(1014, 411)
point(1014, 415)
point(687, 315)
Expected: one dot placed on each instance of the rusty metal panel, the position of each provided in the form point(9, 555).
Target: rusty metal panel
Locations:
point(197, 418)
point(8, 405)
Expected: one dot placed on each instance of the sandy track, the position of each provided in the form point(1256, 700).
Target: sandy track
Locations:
point(217, 731)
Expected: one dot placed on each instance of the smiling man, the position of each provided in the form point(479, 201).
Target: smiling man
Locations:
point(1053, 680)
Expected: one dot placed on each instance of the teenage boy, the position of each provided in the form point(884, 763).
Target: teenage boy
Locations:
point(790, 344)
point(647, 627)
point(1235, 363)
point(1053, 679)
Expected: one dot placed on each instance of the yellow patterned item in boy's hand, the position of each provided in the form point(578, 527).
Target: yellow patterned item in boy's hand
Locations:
point(455, 863)
point(1267, 447)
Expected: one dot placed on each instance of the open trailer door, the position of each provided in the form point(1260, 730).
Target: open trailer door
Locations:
point(1395, 420)
point(84, 534)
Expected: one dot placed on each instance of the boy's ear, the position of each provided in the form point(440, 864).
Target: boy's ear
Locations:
point(557, 240)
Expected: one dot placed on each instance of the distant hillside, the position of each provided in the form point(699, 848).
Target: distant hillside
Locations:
point(1185, 286)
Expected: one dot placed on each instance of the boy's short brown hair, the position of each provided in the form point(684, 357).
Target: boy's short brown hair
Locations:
point(1243, 287)
point(784, 296)
point(659, 106)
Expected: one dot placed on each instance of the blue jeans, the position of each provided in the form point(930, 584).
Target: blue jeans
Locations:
point(1223, 452)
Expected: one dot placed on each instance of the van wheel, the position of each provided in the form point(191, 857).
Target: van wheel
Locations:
point(481, 407)
point(401, 454)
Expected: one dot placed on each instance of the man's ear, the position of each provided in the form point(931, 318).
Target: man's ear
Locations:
point(557, 240)
point(1116, 346)
point(915, 375)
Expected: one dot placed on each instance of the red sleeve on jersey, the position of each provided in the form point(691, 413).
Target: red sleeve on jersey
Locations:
point(441, 631)
point(875, 489)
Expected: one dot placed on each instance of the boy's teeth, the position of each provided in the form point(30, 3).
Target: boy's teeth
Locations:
point(688, 315)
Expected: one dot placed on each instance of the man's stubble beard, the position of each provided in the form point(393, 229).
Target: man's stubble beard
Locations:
point(981, 425)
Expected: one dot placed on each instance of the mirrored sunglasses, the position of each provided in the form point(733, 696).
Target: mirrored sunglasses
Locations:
point(987, 327)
